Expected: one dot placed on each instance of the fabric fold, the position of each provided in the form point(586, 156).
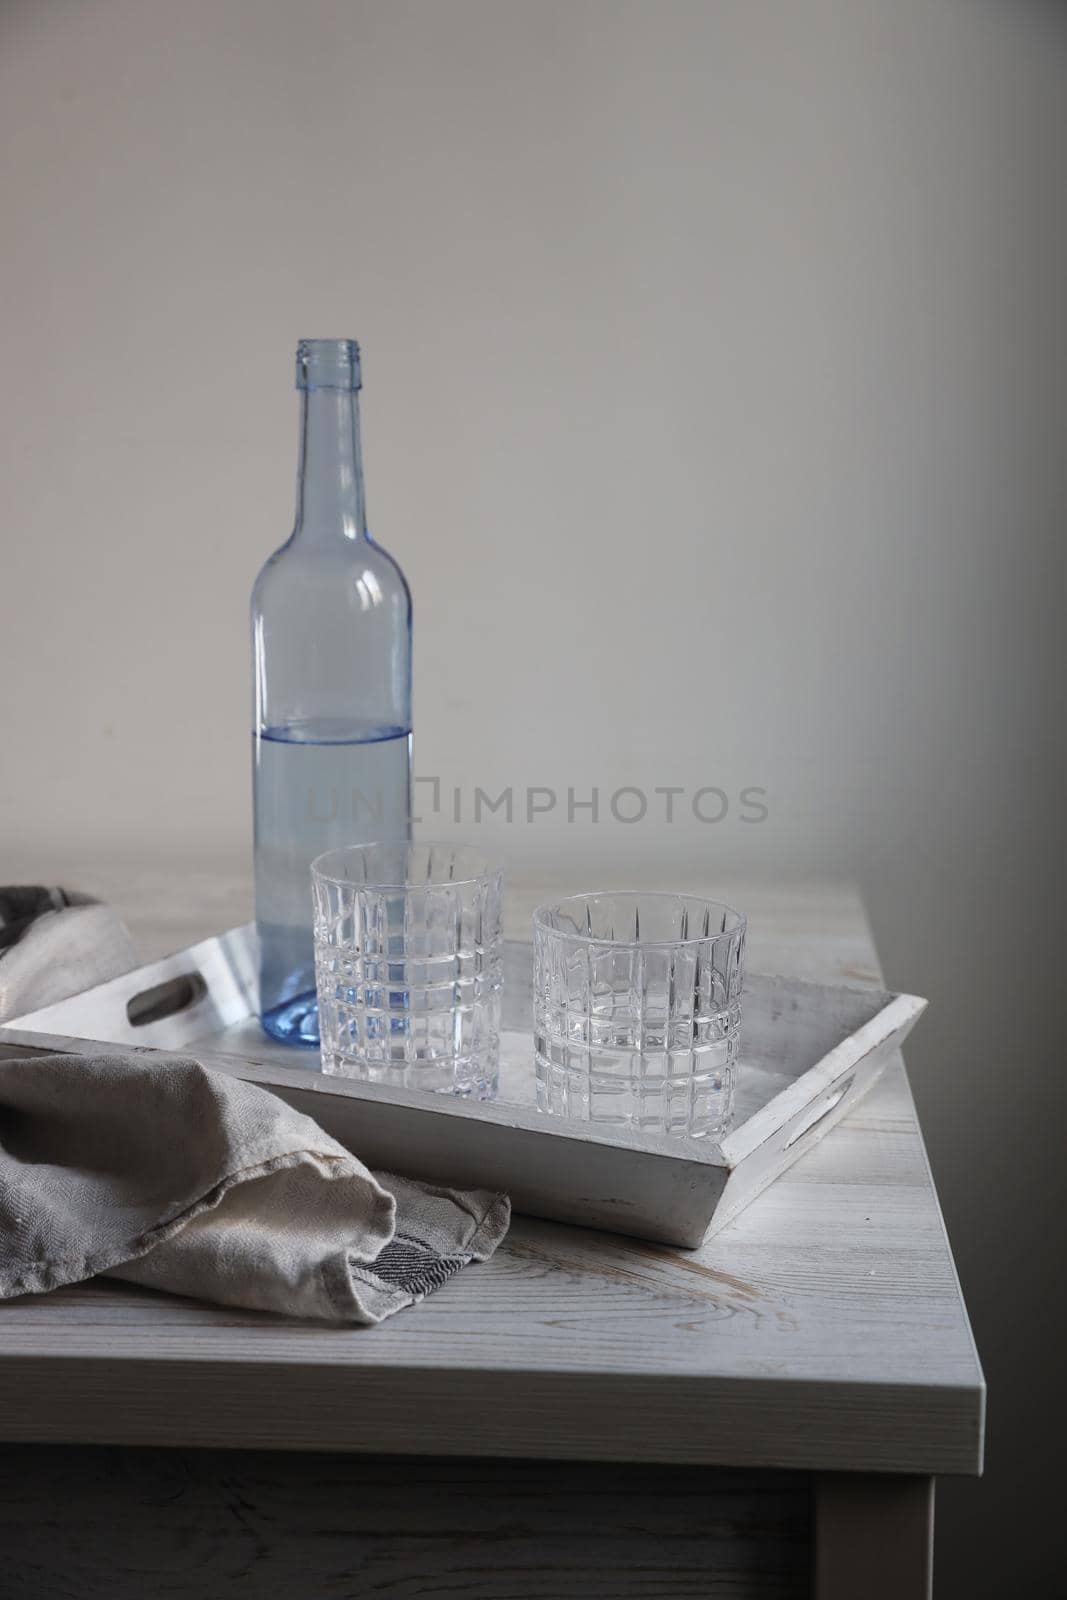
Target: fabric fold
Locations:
point(55, 943)
point(161, 1172)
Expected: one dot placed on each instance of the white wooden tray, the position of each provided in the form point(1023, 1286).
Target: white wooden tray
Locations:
point(809, 1052)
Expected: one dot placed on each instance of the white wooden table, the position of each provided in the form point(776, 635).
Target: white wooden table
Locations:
point(581, 1414)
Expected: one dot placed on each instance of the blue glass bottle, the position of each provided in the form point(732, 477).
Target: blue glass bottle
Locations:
point(331, 646)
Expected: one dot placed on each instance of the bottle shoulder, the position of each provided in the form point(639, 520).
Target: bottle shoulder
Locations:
point(391, 566)
point(355, 574)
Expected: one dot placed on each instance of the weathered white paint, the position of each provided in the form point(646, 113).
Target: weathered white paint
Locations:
point(822, 1328)
point(810, 1052)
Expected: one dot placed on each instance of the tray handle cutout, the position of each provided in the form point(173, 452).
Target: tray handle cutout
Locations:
point(165, 999)
point(820, 1111)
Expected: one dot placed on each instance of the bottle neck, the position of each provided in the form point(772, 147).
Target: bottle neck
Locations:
point(329, 484)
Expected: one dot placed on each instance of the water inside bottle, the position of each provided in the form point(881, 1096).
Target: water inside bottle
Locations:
point(320, 784)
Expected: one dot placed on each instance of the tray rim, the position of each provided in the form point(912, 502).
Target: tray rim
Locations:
point(893, 1018)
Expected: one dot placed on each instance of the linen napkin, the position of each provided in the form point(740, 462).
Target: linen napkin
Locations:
point(55, 943)
point(167, 1174)
point(154, 1169)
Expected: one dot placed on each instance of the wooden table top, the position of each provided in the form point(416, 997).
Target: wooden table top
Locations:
point(824, 1328)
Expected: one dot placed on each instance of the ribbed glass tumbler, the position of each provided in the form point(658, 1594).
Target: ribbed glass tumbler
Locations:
point(408, 966)
point(637, 1010)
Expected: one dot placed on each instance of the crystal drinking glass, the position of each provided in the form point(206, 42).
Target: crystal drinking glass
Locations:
point(408, 965)
point(637, 1010)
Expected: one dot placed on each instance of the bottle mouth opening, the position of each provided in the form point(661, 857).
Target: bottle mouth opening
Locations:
point(327, 364)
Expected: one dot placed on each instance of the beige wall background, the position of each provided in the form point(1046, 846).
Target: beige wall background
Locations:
point(714, 401)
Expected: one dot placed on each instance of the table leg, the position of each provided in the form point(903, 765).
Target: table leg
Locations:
point(873, 1537)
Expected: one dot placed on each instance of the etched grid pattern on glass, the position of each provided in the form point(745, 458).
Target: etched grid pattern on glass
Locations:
point(637, 1010)
point(408, 966)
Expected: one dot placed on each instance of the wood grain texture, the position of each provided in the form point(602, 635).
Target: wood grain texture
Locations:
point(258, 1524)
point(810, 1052)
point(823, 1328)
